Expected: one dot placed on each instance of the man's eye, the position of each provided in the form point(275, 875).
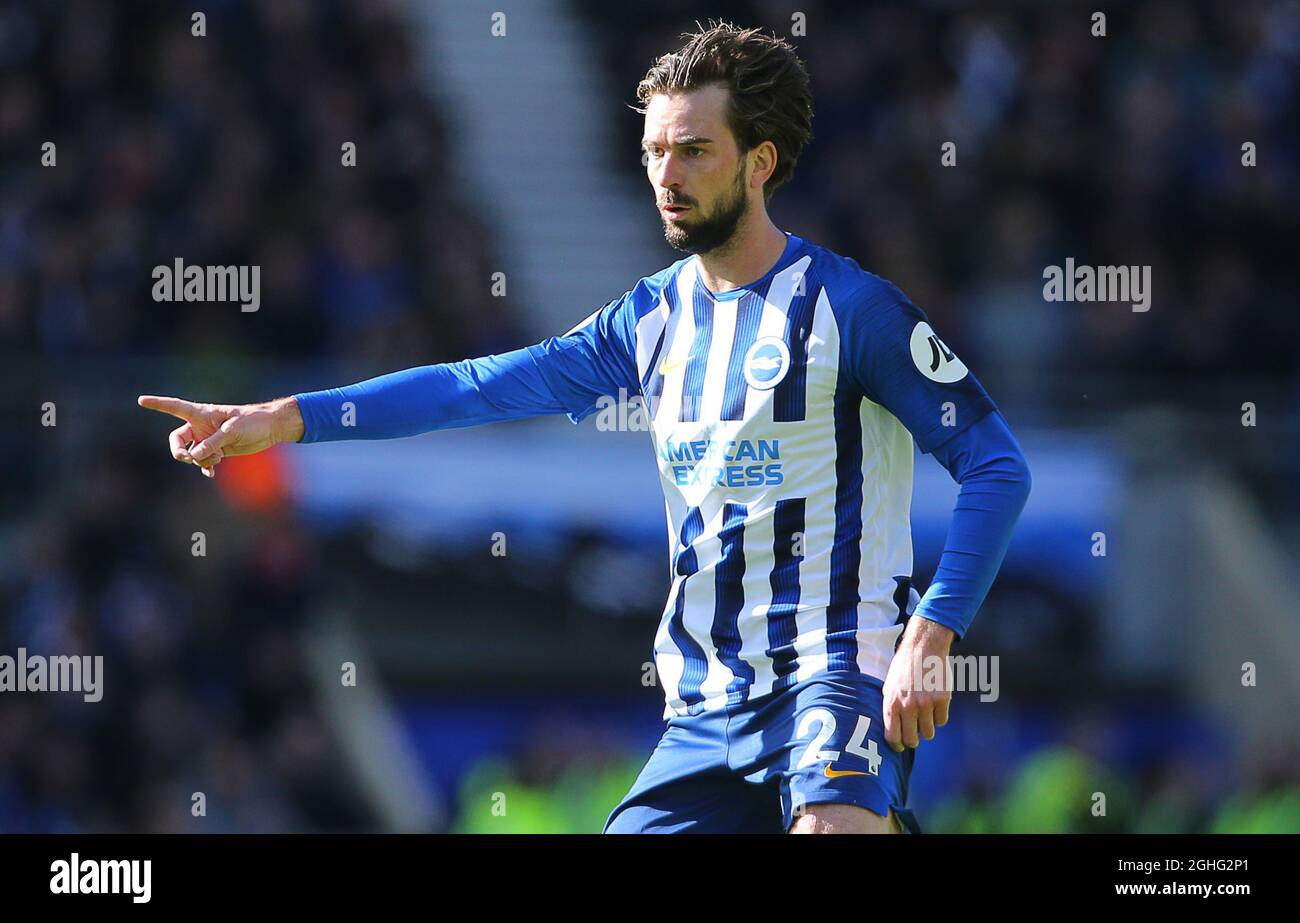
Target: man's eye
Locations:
point(695, 151)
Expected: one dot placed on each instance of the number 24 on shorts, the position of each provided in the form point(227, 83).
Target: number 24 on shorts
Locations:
point(859, 744)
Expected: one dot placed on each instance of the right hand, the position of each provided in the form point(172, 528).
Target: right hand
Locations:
point(213, 431)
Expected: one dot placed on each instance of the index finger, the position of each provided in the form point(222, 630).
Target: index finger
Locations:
point(185, 410)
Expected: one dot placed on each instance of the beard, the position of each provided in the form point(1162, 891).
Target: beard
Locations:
point(701, 235)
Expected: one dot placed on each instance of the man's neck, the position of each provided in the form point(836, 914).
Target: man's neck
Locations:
point(747, 257)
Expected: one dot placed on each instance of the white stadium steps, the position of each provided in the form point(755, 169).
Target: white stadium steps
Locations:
point(531, 119)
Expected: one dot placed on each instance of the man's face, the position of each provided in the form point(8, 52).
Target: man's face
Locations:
point(699, 176)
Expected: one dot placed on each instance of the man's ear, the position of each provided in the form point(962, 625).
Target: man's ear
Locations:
point(764, 162)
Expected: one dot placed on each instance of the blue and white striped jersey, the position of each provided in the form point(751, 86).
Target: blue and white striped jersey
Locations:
point(783, 416)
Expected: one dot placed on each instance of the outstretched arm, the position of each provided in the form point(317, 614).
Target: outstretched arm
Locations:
point(432, 397)
point(564, 374)
point(405, 403)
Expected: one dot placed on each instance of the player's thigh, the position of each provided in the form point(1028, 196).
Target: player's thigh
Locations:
point(705, 804)
point(837, 757)
point(844, 818)
point(687, 787)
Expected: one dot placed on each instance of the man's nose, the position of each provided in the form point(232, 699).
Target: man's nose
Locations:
point(670, 175)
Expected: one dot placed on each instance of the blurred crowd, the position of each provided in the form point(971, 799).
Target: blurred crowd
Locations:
point(1117, 150)
point(221, 149)
point(227, 149)
point(209, 719)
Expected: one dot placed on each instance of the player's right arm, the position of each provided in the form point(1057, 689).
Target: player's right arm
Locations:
point(564, 374)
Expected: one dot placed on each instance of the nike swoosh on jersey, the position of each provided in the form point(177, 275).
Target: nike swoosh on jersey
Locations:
point(836, 773)
point(665, 367)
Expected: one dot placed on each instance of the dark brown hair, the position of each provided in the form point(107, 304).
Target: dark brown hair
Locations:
point(770, 98)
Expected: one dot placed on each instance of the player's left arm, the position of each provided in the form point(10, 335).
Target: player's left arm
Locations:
point(904, 366)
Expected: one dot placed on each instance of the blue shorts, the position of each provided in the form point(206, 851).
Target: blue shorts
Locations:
point(750, 768)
